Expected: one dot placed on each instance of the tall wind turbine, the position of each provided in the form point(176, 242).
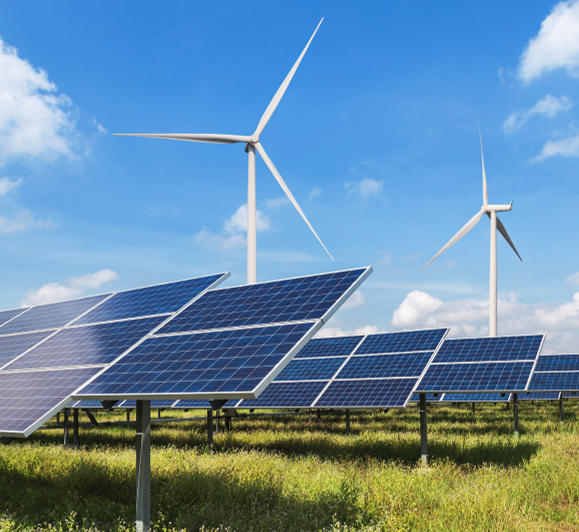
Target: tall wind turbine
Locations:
point(491, 212)
point(251, 145)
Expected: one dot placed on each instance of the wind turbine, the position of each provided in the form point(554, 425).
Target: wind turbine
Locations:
point(491, 212)
point(251, 145)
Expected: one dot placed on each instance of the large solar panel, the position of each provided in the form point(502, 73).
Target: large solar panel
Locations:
point(540, 396)
point(371, 371)
point(40, 370)
point(482, 365)
point(230, 343)
point(556, 373)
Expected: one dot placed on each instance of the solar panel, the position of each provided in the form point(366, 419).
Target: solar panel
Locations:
point(430, 398)
point(7, 315)
point(476, 397)
point(230, 343)
point(371, 371)
point(485, 365)
point(570, 395)
point(44, 368)
point(556, 373)
point(193, 404)
point(540, 396)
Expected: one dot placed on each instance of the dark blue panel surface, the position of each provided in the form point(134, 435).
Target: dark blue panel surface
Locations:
point(476, 398)
point(311, 369)
point(484, 377)
point(85, 404)
point(555, 382)
point(13, 346)
point(375, 393)
point(426, 340)
point(303, 298)
point(376, 366)
point(500, 348)
point(141, 302)
point(27, 397)
point(6, 315)
point(558, 363)
point(92, 344)
point(201, 403)
point(539, 396)
point(430, 398)
point(330, 347)
point(222, 361)
point(50, 316)
point(571, 395)
point(286, 395)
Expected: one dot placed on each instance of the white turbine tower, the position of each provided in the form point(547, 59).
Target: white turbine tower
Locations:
point(251, 144)
point(491, 212)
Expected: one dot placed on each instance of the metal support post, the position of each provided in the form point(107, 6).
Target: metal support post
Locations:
point(348, 421)
point(473, 409)
point(516, 412)
point(310, 416)
point(91, 417)
point(128, 415)
point(58, 418)
point(143, 448)
point(561, 408)
point(217, 419)
point(75, 427)
point(423, 431)
point(210, 430)
point(65, 443)
point(319, 415)
point(159, 414)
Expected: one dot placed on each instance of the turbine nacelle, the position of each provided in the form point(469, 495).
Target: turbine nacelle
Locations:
point(497, 208)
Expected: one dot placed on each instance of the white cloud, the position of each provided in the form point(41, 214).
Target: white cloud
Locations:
point(573, 279)
point(548, 106)
point(365, 188)
point(555, 46)
point(326, 332)
point(314, 193)
point(469, 317)
point(7, 185)
point(71, 288)
point(563, 147)
point(233, 234)
point(35, 121)
point(24, 220)
point(356, 300)
point(276, 203)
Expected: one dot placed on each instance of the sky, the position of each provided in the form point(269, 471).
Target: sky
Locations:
point(376, 137)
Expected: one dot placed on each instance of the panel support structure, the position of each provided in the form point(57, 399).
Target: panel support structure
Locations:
point(516, 412)
point(143, 448)
point(347, 421)
point(561, 408)
point(210, 430)
point(75, 441)
point(423, 430)
point(65, 443)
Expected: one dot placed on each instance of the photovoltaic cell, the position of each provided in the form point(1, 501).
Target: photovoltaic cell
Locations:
point(426, 340)
point(140, 302)
point(330, 347)
point(6, 315)
point(476, 398)
point(376, 366)
point(13, 346)
point(286, 395)
point(570, 395)
point(300, 299)
point(557, 363)
point(195, 403)
point(562, 382)
point(88, 345)
point(367, 393)
point(496, 349)
point(50, 316)
point(311, 369)
point(540, 396)
point(26, 397)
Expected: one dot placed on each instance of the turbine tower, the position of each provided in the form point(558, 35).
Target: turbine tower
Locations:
point(491, 212)
point(251, 145)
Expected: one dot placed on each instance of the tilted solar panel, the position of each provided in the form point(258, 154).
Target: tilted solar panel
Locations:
point(556, 373)
point(485, 365)
point(540, 396)
point(476, 397)
point(7, 315)
point(16, 345)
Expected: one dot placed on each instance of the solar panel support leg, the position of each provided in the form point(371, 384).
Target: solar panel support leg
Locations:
point(143, 448)
point(58, 418)
point(128, 415)
point(65, 443)
point(319, 415)
point(210, 430)
point(4, 440)
point(561, 408)
point(217, 418)
point(516, 412)
point(159, 413)
point(91, 417)
point(348, 421)
point(310, 416)
point(75, 427)
point(423, 431)
point(473, 409)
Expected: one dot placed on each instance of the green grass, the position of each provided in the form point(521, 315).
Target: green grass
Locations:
point(283, 473)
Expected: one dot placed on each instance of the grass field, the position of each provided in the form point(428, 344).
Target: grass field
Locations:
point(283, 473)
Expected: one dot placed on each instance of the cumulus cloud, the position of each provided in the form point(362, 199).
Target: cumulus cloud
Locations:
point(7, 185)
point(22, 221)
point(276, 203)
point(469, 317)
point(365, 188)
point(356, 300)
point(314, 193)
point(73, 287)
point(234, 231)
point(327, 332)
point(562, 147)
point(573, 279)
point(35, 121)
point(548, 106)
point(555, 46)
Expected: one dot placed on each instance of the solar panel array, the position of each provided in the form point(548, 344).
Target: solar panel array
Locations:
point(48, 351)
point(230, 343)
point(556, 373)
point(464, 398)
point(482, 365)
point(372, 371)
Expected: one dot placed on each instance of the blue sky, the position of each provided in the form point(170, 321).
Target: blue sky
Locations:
point(376, 137)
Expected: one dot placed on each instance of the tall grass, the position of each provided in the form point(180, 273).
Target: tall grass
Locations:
point(283, 473)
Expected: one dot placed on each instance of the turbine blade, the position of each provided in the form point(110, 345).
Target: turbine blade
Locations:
point(192, 137)
point(503, 232)
point(484, 176)
point(467, 227)
point(281, 91)
point(285, 188)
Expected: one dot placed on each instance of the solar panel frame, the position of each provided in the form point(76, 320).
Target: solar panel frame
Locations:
point(317, 323)
point(565, 378)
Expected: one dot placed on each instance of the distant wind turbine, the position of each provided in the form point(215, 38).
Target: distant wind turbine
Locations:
point(251, 144)
point(491, 212)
